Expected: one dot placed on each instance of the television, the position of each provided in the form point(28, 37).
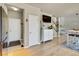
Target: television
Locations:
point(46, 19)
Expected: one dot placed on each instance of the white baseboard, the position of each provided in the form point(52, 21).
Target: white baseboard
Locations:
point(26, 46)
point(30, 46)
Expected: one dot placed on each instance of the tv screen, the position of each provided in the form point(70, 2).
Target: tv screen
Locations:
point(46, 19)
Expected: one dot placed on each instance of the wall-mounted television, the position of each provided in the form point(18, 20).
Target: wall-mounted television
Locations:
point(46, 19)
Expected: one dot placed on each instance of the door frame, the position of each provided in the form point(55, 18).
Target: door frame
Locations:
point(17, 42)
point(20, 42)
point(0, 31)
point(28, 28)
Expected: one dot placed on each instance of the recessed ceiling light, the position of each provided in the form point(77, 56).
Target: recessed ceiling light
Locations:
point(15, 9)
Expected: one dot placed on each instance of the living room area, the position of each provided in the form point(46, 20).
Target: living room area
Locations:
point(40, 29)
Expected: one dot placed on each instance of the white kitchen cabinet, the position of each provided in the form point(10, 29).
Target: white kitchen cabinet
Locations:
point(47, 34)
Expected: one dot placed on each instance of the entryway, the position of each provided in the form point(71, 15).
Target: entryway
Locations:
point(12, 27)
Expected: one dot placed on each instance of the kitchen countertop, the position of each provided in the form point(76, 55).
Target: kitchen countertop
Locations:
point(73, 31)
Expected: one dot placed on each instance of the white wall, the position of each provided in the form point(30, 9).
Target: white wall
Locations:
point(70, 22)
point(5, 8)
point(4, 22)
point(0, 4)
point(0, 23)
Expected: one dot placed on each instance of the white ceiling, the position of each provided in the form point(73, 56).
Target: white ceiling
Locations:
point(58, 9)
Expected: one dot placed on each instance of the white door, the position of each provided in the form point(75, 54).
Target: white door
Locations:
point(14, 29)
point(34, 33)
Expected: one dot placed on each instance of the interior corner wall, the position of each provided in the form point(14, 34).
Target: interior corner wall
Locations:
point(4, 22)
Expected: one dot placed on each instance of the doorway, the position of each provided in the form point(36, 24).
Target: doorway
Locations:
point(15, 18)
point(12, 28)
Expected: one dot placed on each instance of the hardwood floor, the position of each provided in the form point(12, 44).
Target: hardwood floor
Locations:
point(52, 48)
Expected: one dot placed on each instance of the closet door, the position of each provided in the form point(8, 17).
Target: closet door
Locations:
point(33, 30)
point(14, 29)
